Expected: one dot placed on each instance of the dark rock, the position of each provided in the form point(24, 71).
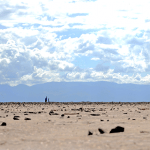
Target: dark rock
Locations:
point(101, 131)
point(124, 113)
point(133, 119)
point(27, 118)
point(81, 109)
point(107, 120)
point(117, 129)
point(102, 120)
point(90, 133)
point(95, 114)
point(32, 112)
point(144, 132)
point(53, 114)
point(51, 111)
point(87, 111)
point(68, 117)
point(3, 124)
point(62, 115)
point(25, 114)
point(16, 117)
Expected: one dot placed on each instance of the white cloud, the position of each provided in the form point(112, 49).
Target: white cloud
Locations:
point(94, 58)
point(40, 41)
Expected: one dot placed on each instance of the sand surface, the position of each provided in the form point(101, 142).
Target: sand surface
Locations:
point(71, 126)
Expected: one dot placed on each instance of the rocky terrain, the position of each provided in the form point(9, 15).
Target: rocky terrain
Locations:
point(84, 125)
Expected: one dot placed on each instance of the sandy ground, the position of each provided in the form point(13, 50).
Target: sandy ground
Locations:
point(71, 126)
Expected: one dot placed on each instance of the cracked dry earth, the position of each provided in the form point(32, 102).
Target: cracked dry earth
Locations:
point(29, 126)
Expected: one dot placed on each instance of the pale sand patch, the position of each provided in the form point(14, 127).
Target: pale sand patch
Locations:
point(66, 126)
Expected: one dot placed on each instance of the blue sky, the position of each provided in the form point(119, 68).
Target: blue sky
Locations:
point(74, 41)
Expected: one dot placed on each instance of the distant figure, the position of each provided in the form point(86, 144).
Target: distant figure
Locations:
point(46, 99)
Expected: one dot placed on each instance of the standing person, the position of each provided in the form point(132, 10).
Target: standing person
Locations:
point(46, 99)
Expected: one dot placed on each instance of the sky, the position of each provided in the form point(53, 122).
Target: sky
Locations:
point(74, 41)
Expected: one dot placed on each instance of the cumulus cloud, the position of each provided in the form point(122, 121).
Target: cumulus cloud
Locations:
point(39, 41)
point(104, 40)
point(94, 58)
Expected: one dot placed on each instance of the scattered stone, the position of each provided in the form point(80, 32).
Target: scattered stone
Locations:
point(3, 124)
point(81, 109)
point(27, 118)
point(32, 112)
point(25, 114)
point(117, 129)
point(87, 111)
point(16, 117)
point(53, 114)
point(124, 113)
point(144, 108)
point(144, 132)
point(62, 115)
point(90, 133)
point(95, 114)
point(107, 120)
point(144, 118)
point(102, 120)
point(133, 119)
point(101, 131)
point(68, 117)
point(51, 111)
point(128, 118)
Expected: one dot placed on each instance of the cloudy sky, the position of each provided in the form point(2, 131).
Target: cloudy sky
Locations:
point(74, 41)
